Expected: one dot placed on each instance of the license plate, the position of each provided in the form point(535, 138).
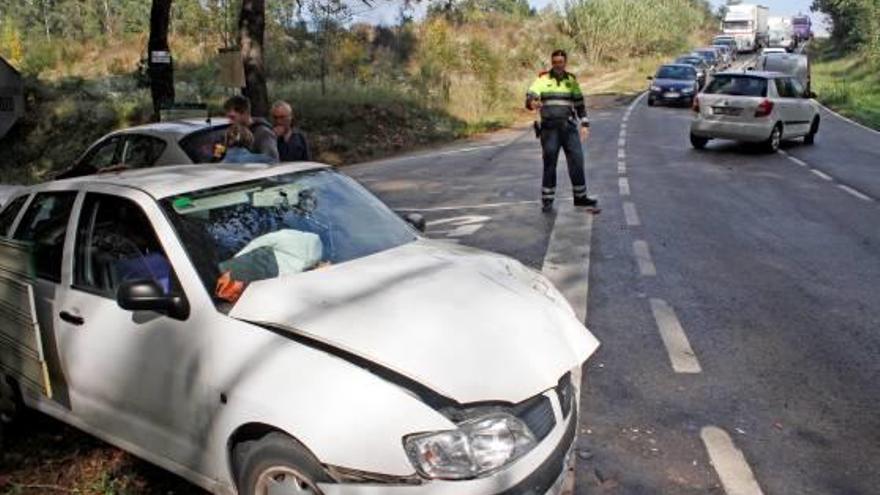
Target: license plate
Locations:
point(670, 95)
point(726, 110)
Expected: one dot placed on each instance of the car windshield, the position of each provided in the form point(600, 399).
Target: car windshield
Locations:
point(676, 72)
point(706, 54)
point(200, 145)
point(736, 85)
point(280, 226)
point(689, 60)
point(737, 25)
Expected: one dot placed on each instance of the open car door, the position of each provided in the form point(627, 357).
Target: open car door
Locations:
point(21, 348)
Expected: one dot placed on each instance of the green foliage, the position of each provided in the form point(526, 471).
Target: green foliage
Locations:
point(609, 30)
point(855, 23)
point(851, 86)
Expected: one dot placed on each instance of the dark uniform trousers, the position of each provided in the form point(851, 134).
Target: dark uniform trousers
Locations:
point(563, 135)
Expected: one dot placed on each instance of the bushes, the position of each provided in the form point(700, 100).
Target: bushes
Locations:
point(611, 30)
point(61, 121)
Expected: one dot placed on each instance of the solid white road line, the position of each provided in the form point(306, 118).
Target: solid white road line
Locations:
point(567, 261)
point(821, 174)
point(476, 207)
point(629, 211)
point(681, 355)
point(855, 192)
point(849, 120)
point(623, 185)
point(643, 258)
point(729, 462)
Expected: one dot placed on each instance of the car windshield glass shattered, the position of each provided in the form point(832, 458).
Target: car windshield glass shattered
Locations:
point(280, 226)
point(737, 86)
point(673, 72)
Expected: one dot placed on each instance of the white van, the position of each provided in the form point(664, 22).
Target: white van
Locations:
point(265, 329)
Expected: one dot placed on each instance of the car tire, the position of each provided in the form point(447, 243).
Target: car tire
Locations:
point(276, 459)
point(650, 101)
point(771, 145)
point(810, 138)
point(10, 406)
point(698, 142)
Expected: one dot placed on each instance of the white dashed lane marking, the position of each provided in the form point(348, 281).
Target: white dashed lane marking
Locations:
point(856, 193)
point(621, 167)
point(821, 174)
point(729, 462)
point(643, 258)
point(623, 184)
point(681, 355)
point(629, 211)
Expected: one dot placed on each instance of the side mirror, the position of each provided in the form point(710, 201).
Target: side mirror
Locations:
point(416, 220)
point(146, 295)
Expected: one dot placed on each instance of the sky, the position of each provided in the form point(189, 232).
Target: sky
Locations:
point(386, 11)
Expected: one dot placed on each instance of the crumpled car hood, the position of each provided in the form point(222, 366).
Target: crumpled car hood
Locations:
point(470, 325)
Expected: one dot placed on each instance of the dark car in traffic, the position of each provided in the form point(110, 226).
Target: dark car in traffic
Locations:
point(710, 55)
point(673, 83)
point(697, 62)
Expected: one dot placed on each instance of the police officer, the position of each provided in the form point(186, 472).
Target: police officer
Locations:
point(563, 124)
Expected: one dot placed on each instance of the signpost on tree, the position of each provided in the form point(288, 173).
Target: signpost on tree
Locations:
point(159, 61)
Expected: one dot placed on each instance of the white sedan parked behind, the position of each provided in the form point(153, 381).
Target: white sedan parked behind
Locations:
point(262, 329)
point(760, 107)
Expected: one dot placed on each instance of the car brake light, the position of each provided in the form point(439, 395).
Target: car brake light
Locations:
point(696, 105)
point(764, 108)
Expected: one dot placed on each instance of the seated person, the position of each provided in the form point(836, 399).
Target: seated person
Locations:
point(239, 141)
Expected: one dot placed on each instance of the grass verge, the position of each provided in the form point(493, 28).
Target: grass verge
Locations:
point(850, 85)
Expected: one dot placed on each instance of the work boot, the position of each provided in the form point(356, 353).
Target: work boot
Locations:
point(585, 201)
point(546, 205)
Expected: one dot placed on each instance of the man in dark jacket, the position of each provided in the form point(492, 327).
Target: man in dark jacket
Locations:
point(238, 111)
point(292, 144)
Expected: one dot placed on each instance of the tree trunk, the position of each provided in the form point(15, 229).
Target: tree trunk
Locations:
point(161, 70)
point(251, 26)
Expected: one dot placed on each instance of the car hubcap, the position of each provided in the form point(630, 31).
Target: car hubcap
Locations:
point(282, 480)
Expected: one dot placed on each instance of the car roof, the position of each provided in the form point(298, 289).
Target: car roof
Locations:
point(161, 182)
point(175, 128)
point(761, 74)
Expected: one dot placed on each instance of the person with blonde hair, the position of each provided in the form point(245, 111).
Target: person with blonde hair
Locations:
point(239, 140)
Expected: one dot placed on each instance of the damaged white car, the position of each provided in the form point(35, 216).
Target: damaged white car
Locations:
point(276, 329)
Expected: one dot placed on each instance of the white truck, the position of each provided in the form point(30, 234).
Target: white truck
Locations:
point(781, 33)
point(747, 23)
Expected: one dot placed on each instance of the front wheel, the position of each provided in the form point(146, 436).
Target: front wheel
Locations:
point(650, 101)
point(810, 138)
point(276, 463)
point(698, 142)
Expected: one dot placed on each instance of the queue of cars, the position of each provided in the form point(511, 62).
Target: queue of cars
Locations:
point(766, 102)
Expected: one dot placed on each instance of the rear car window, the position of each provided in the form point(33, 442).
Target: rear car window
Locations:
point(141, 151)
point(736, 85)
point(200, 146)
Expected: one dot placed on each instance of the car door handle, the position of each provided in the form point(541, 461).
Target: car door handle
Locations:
point(71, 318)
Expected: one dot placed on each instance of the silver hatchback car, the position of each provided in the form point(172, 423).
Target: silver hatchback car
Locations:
point(759, 107)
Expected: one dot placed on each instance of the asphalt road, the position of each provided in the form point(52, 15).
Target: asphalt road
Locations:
point(734, 292)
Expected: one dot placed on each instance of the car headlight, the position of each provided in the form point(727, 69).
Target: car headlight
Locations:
point(477, 447)
point(654, 87)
